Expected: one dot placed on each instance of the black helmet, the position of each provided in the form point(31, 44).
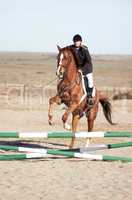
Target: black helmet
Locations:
point(77, 38)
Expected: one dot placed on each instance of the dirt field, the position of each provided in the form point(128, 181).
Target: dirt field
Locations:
point(26, 83)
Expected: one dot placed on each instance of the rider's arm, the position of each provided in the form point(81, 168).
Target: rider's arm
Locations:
point(87, 55)
point(88, 67)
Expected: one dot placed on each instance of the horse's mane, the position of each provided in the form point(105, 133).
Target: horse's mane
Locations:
point(72, 51)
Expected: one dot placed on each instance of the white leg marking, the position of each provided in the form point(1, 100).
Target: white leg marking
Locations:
point(67, 126)
point(87, 142)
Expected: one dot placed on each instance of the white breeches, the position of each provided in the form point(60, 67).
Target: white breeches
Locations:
point(90, 80)
point(91, 84)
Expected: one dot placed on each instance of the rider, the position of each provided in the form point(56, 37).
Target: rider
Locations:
point(84, 63)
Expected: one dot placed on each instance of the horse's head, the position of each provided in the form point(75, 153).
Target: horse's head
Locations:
point(63, 60)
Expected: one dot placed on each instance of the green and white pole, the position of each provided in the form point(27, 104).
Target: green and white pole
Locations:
point(61, 134)
point(23, 149)
point(95, 147)
point(40, 153)
point(65, 153)
point(92, 147)
point(21, 156)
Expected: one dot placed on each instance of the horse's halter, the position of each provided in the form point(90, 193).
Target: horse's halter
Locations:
point(62, 65)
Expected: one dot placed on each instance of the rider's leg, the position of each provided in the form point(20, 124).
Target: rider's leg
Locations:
point(90, 83)
point(88, 79)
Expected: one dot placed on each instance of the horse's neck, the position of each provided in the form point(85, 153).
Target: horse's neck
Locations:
point(72, 70)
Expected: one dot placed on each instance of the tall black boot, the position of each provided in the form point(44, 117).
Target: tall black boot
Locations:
point(89, 97)
point(89, 91)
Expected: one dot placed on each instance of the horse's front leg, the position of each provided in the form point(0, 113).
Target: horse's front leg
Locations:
point(56, 99)
point(75, 120)
point(66, 114)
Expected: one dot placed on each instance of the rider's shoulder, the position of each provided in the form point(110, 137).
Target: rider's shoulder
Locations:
point(85, 47)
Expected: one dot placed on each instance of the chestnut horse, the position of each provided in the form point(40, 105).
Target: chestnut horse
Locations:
point(71, 92)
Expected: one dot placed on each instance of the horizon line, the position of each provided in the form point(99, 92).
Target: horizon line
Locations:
point(53, 52)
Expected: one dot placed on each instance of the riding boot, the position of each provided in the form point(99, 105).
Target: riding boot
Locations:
point(89, 92)
point(90, 100)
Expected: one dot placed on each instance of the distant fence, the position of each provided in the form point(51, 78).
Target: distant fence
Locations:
point(36, 95)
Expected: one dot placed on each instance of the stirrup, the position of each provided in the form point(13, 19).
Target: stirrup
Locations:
point(90, 101)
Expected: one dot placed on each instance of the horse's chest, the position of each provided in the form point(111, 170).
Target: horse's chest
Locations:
point(65, 98)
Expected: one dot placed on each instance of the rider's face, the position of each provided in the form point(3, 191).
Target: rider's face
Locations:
point(78, 43)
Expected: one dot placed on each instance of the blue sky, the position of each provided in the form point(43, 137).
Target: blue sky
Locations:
point(38, 25)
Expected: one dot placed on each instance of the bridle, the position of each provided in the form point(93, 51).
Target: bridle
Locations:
point(71, 84)
point(61, 76)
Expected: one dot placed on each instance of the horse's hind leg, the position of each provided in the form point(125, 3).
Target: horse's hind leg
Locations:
point(90, 120)
point(90, 128)
point(56, 99)
point(75, 119)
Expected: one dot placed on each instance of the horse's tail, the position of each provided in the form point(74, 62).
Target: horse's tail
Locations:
point(107, 108)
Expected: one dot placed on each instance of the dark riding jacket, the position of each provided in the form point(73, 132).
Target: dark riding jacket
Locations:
point(83, 59)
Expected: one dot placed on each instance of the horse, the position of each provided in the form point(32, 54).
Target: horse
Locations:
point(71, 92)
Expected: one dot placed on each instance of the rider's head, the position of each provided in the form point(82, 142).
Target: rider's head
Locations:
point(77, 40)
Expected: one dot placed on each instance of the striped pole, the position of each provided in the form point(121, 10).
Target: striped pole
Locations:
point(63, 134)
point(95, 147)
point(23, 149)
point(21, 156)
point(67, 154)
point(92, 147)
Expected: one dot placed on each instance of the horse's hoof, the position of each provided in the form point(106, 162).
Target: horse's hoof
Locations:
point(67, 127)
point(50, 123)
point(70, 147)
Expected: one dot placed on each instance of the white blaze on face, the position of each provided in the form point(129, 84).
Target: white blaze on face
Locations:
point(61, 57)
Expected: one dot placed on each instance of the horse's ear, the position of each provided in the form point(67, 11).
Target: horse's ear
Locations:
point(58, 47)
